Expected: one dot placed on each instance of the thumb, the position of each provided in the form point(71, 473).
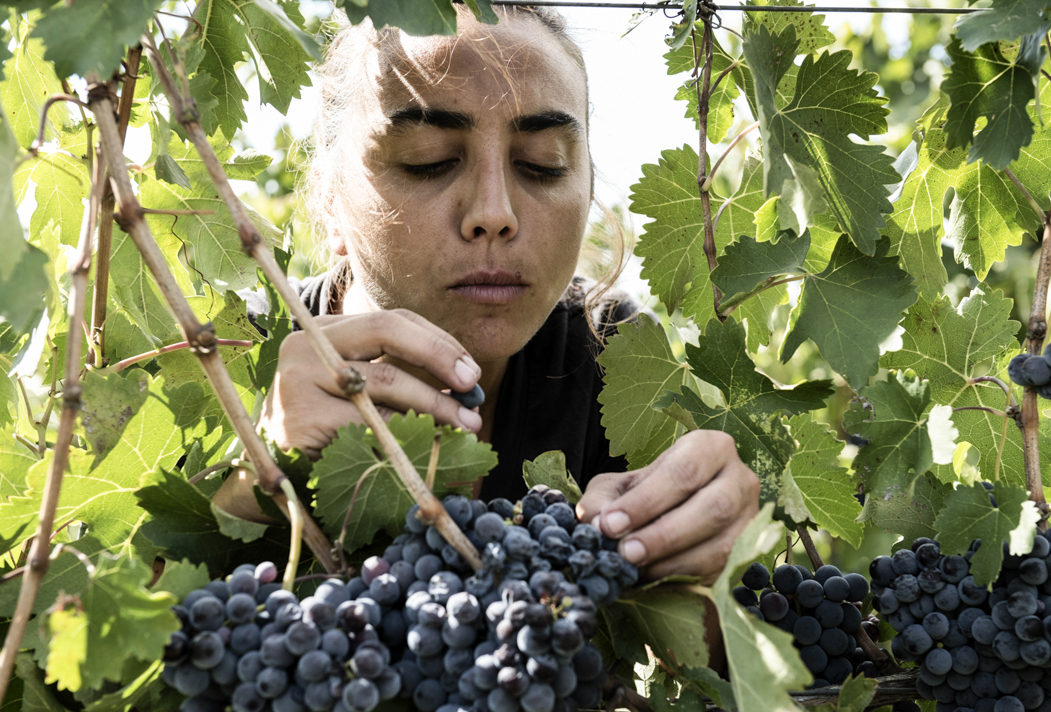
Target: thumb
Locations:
point(601, 490)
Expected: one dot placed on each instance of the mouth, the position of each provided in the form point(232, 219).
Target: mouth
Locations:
point(490, 286)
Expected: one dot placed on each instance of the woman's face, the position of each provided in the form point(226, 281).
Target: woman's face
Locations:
point(471, 181)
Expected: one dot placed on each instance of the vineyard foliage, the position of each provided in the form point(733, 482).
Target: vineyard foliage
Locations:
point(822, 224)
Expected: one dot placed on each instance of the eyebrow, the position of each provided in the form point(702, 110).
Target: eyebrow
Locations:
point(404, 119)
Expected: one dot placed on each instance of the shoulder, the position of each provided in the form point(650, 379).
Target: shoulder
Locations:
point(602, 308)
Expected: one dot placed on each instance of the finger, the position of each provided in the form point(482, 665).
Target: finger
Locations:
point(601, 491)
point(409, 337)
point(710, 511)
point(303, 416)
point(669, 480)
point(706, 560)
point(386, 383)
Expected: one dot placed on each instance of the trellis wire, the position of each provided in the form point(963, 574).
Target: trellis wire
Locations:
point(749, 8)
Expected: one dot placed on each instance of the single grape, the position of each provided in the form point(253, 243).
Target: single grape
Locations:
point(271, 682)
point(361, 695)
point(756, 576)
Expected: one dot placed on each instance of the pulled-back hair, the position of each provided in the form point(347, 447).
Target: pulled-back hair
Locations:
point(348, 50)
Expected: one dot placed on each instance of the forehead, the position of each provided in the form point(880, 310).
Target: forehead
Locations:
point(513, 68)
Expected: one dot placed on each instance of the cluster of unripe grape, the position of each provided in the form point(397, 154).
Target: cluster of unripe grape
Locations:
point(821, 610)
point(979, 651)
point(1032, 370)
point(416, 624)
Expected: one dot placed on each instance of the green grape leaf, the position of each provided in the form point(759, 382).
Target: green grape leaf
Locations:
point(277, 322)
point(15, 461)
point(672, 247)
point(183, 524)
point(1004, 20)
point(432, 17)
point(59, 182)
point(639, 367)
point(237, 528)
point(182, 577)
point(108, 403)
point(36, 695)
point(1034, 162)
point(217, 253)
point(24, 293)
point(986, 84)
point(130, 697)
point(850, 309)
point(825, 487)
point(100, 493)
point(748, 264)
point(382, 500)
point(549, 468)
point(114, 620)
point(762, 663)
point(856, 694)
point(891, 416)
point(670, 618)
point(236, 30)
point(708, 682)
point(909, 512)
point(946, 346)
point(136, 294)
point(28, 82)
point(986, 215)
point(166, 169)
point(751, 403)
point(720, 102)
point(969, 514)
point(91, 35)
point(812, 134)
point(277, 12)
point(809, 28)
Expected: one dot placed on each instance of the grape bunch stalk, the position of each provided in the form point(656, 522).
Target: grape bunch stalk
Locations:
point(416, 624)
point(978, 650)
point(821, 610)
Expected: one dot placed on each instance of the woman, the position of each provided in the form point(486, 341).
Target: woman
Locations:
point(454, 175)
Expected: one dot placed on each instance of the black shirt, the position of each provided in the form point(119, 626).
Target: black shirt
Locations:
point(549, 395)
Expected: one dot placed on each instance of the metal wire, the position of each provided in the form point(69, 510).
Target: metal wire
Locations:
point(749, 8)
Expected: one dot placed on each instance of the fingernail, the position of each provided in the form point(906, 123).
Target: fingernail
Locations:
point(470, 420)
point(467, 371)
point(616, 522)
point(633, 550)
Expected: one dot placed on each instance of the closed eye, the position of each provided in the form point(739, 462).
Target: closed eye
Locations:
point(430, 170)
point(542, 172)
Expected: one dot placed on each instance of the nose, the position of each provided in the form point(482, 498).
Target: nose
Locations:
point(489, 212)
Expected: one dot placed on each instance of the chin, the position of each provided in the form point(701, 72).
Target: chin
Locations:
point(493, 339)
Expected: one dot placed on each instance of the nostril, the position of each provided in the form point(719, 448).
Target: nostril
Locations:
point(479, 232)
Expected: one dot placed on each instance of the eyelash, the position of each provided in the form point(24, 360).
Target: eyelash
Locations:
point(433, 170)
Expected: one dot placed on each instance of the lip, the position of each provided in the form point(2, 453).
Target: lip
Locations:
point(498, 286)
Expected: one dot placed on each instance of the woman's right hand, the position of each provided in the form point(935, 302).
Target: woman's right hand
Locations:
point(304, 407)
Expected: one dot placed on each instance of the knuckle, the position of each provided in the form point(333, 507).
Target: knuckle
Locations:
point(720, 511)
point(383, 374)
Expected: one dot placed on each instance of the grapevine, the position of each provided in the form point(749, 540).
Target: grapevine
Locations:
point(839, 296)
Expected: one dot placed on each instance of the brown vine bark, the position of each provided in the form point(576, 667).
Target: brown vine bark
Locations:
point(350, 382)
point(703, 98)
point(40, 550)
point(201, 336)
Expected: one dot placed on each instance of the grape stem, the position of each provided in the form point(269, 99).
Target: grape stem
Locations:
point(218, 467)
point(295, 516)
point(707, 184)
point(811, 550)
point(121, 365)
point(350, 509)
point(876, 654)
point(39, 552)
point(994, 411)
point(348, 380)
point(703, 102)
point(993, 379)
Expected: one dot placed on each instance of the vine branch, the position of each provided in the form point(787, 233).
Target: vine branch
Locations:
point(131, 360)
point(707, 184)
point(349, 381)
point(40, 550)
point(100, 303)
point(200, 336)
point(703, 98)
point(1036, 331)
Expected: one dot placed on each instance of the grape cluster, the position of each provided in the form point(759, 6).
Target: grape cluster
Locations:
point(416, 624)
point(979, 651)
point(1032, 370)
point(820, 610)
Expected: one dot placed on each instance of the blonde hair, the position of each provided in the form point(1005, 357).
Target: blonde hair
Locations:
point(348, 49)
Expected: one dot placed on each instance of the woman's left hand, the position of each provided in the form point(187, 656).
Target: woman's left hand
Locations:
point(681, 513)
